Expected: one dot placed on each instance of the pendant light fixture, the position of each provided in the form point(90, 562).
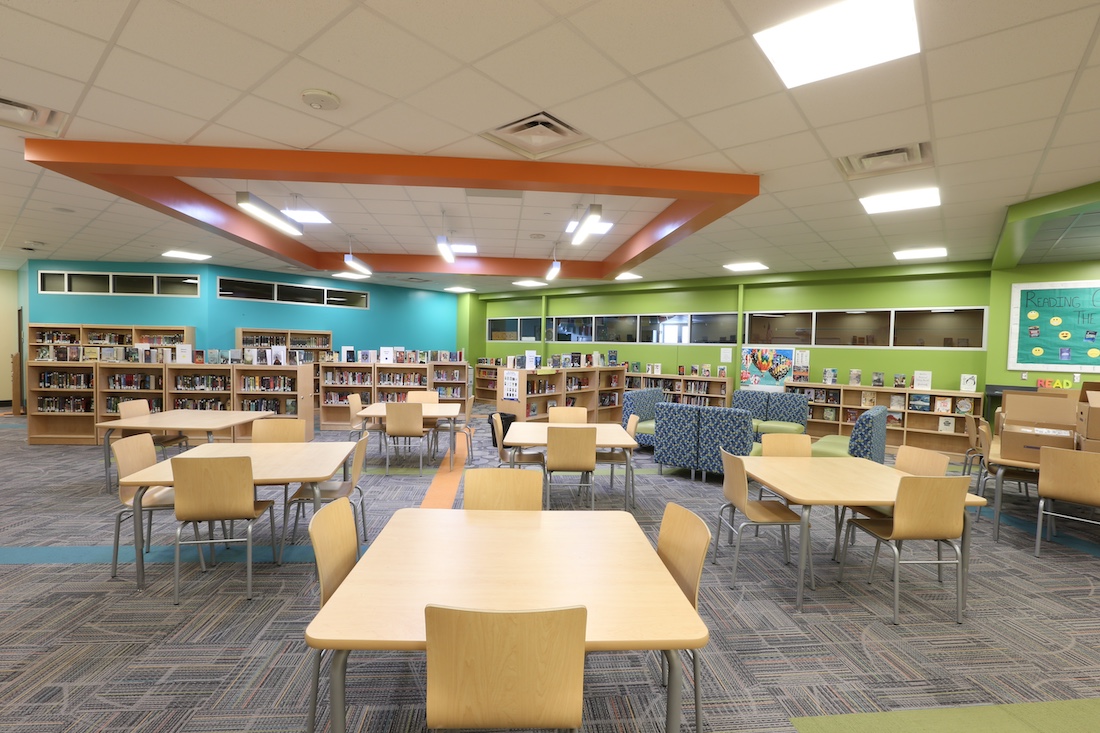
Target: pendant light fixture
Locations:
point(443, 243)
point(555, 266)
point(355, 263)
point(259, 209)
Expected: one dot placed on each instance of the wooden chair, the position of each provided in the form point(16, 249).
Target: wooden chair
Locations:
point(682, 545)
point(465, 428)
point(133, 454)
point(927, 508)
point(357, 425)
point(279, 430)
point(622, 457)
point(330, 491)
point(571, 450)
point(1066, 475)
point(502, 488)
point(336, 550)
point(567, 414)
point(514, 457)
point(137, 408)
point(974, 452)
point(217, 489)
point(1021, 476)
point(505, 669)
point(427, 397)
point(735, 486)
point(792, 445)
point(405, 420)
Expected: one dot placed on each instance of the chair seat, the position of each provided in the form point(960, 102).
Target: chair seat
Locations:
point(763, 512)
point(649, 427)
point(831, 446)
point(880, 528)
point(780, 426)
point(529, 457)
point(757, 449)
point(258, 509)
point(875, 512)
point(156, 497)
point(611, 455)
point(329, 490)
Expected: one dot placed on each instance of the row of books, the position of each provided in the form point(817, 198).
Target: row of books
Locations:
point(65, 380)
point(894, 419)
point(207, 403)
point(391, 355)
point(921, 379)
point(288, 406)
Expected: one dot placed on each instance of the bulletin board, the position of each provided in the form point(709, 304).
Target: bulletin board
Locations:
point(1053, 326)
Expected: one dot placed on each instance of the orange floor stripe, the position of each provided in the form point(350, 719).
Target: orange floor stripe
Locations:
point(444, 487)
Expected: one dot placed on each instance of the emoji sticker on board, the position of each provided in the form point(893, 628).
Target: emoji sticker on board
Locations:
point(1037, 351)
point(1032, 315)
point(1065, 335)
point(1056, 321)
point(1094, 353)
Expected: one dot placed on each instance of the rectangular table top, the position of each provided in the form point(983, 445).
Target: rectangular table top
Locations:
point(187, 420)
point(533, 434)
point(431, 410)
point(272, 463)
point(507, 560)
point(831, 481)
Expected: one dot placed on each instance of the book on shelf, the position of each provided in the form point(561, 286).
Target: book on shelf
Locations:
point(964, 406)
point(900, 380)
point(656, 367)
point(575, 358)
point(235, 356)
point(828, 413)
point(922, 380)
point(942, 404)
point(828, 376)
point(278, 356)
point(878, 379)
point(968, 382)
point(636, 366)
point(213, 356)
point(694, 370)
point(897, 402)
point(894, 419)
point(613, 357)
point(855, 377)
point(705, 371)
point(72, 353)
point(832, 396)
point(681, 370)
point(920, 402)
point(555, 361)
point(946, 425)
point(867, 399)
point(722, 373)
point(198, 356)
point(263, 357)
point(851, 414)
point(89, 353)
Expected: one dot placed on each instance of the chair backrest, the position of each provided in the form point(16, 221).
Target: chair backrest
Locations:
point(502, 488)
point(788, 407)
point(682, 545)
point(929, 507)
point(570, 449)
point(1069, 475)
point(642, 402)
point(279, 430)
point(726, 428)
point(567, 414)
point(868, 438)
point(355, 405)
point(358, 458)
point(133, 408)
point(972, 432)
point(921, 462)
point(335, 544)
point(424, 397)
point(754, 401)
point(405, 419)
point(505, 669)
point(632, 425)
point(735, 482)
point(498, 430)
point(786, 444)
point(985, 438)
point(132, 455)
point(213, 488)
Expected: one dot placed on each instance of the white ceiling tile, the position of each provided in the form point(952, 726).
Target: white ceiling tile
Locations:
point(219, 135)
point(782, 152)
point(288, 26)
point(32, 86)
point(408, 129)
point(275, 122)
point(800, 176)
point(621, 109)
point(49, 47)
point(1048, 183)
point(993, 143)
point(824, 194)
point(1077, 129)
point(131, 75)
point(1086, 93)
point(724, 76)
point(668, 32)
point(1010, 105)
point(989, 170)
point(350, 141)
point(182, 38)
point(889, 87)
point(661, 144)
point(944, 23)
point(714, 162)
point(824, 212)
point(495, 105)
point(1074, 157)
point(760, 119)
point(130, 114)
point(286, 84)
point(884, 132)
point(552, 66)
point(1013, 189)
point(1035, 51)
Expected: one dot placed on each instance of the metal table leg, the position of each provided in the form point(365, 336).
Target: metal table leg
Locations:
point(107, 457)
point(672, 711)
point(998, 485)
point(338, 671)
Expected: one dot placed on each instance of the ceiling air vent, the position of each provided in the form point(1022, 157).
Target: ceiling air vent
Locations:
point(31, 118)
point(882, 162)
point(538, 136)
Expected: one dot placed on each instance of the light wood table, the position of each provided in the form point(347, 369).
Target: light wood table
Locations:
point(181, 420)
point(608, 435)
point(504, 560)
point(272, 463)
point(845, 481)
point(1002, 465)
point(432, 411)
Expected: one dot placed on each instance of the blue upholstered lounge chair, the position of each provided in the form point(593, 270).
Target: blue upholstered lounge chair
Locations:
point(722, 427)
point(677, 436)
point(868, 438)
point(642, 402)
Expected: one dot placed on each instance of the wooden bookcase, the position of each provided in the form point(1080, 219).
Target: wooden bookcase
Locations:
point(338, 380)
point(118, 382)
point(587, 387)
point(485, 382)
point(288, 390)
point(200, 387)
point(450, 380)
point(692, 390)
point(394, 381)
point(609, 398)
point(834, 408)
point(61, 403)
point(313, 343)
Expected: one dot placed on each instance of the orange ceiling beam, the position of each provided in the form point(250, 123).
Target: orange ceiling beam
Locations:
point(148, 175)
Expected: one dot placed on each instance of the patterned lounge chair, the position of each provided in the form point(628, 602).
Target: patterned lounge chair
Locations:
point(677, 436)
point(868, 438)
point(722, 427)
point(641, 402)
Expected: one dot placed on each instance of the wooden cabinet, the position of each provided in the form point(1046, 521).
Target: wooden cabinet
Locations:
point(690, 390)
point(287, 390)
point(61, 403)
point(932, 419)
point(485, 382)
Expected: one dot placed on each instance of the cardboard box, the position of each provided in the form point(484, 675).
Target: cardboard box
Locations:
point(1088, 411)
point(1092, 446)
point(1033, 420)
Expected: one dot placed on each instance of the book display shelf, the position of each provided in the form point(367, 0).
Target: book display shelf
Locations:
point(925, 418)
point(598, 389)
point(312, 344)
point(485, 382)
point(689, 390)
point(375, 382)
point(286, 390)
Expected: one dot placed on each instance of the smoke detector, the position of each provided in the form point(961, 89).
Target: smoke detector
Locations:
point(538, 136)
point(319, 99)
point(883, 162)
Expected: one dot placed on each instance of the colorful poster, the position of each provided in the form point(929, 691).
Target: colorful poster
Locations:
point(1053, 326)
point(761, 367)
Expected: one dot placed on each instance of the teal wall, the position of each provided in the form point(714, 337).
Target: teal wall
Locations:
point(415, 319)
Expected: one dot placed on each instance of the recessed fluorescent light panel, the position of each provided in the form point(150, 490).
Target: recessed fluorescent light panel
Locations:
point(921, 254)
point(840, 38)
point(917, 198)
point(627, 276)
point(746, 266)
point(185, 255)
point(530, 283)
point(464, 249)
point(350, 275)
point(460, 289)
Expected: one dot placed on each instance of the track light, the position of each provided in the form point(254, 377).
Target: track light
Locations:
point(259, 209)
point(357, 264)
point(588, 224)
point(445, 249)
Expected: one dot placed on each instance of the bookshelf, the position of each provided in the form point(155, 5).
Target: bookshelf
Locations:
point(287, 390)
point(338, 380)
point(200, 387)
point(541, 389)
point(61, 403)
point(393, 381)
point(485, 382)
point(688, 389)
point(124, 381)
point(451, 381)
point(311, 343)
point(609, 397)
